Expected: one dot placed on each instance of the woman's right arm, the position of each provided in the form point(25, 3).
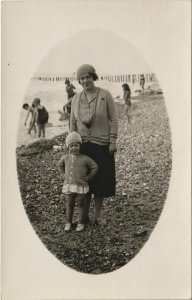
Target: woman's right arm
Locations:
point(73, 121)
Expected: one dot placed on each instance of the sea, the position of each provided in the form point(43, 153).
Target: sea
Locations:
point(53, 96)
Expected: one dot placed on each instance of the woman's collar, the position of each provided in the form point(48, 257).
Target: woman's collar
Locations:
point(93, 94)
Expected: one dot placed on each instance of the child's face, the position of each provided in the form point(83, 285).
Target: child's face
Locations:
point(74, 148)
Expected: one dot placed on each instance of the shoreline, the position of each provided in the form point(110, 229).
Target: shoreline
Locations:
point(136, 100)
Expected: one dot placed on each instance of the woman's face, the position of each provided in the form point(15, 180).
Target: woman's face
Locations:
point(87, 82)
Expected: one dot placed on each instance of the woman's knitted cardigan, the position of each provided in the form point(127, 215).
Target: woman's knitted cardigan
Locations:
point(104, 126)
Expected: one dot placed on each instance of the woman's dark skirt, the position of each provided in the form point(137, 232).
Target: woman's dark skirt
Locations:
point(103, 184)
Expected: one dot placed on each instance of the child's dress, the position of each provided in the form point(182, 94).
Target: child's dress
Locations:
point(76, 168)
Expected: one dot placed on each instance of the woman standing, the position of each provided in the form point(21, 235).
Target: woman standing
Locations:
point(127, 97)
point(93, 116)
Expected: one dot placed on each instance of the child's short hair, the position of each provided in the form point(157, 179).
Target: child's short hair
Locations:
point(25, 105)
point(36, 101)
point(126, 87)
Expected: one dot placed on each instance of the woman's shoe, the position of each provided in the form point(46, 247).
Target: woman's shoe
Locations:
point(67, 227)
point(86, 220)
point(80, 227)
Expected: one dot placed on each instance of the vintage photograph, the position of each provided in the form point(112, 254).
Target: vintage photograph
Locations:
point(94, 152)
point(96, 167)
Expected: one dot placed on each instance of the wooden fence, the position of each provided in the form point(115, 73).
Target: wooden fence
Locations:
point(129, 78)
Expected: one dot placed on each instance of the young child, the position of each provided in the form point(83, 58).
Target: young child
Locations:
point(127, 96)
point(40, 116)
point(30, 110)
point(77, 169)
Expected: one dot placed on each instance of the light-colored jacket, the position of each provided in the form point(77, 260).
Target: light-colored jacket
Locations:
point(104, 127)
point(76, 168)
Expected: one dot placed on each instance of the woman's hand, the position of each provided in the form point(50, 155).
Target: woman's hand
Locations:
point(112, 148)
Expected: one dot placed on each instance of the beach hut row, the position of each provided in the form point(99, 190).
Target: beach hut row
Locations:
point(129, 78)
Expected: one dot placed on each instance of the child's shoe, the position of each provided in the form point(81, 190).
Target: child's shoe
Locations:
point(67, 227)
point(80, 227)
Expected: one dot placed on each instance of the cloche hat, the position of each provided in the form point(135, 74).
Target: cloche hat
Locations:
point(84, 69)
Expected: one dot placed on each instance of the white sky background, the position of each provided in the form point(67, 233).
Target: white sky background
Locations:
point(109, 53)
point(160, 32)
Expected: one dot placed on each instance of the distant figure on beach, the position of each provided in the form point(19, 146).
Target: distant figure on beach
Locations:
point(133, 79)
point(70, 93)
point(69, 89)
point(93, 116)
point(127, 99)
point(30, 111)
point(63, 115)
point(40, 116)
point(142, 82)
point(77, 169)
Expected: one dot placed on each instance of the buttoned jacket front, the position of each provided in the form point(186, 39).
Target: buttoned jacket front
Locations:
point(76, 168)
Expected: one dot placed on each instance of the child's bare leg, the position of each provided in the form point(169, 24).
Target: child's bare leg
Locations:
point(30, 123)
point(70, 206)
point(125, 110)
point(81, 201)
point(127, 117)
point(34, 128)
point(128, 114)
point(43, 129)
point(39, 130)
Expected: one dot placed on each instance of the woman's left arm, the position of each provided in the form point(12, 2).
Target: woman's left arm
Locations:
point(113, 122)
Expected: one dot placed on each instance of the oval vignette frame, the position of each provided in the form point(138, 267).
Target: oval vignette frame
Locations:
point(143, 159)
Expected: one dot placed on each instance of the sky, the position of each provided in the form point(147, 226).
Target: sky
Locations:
point(107, 51)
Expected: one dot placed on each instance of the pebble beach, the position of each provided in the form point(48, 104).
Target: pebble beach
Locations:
point(143, 170)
